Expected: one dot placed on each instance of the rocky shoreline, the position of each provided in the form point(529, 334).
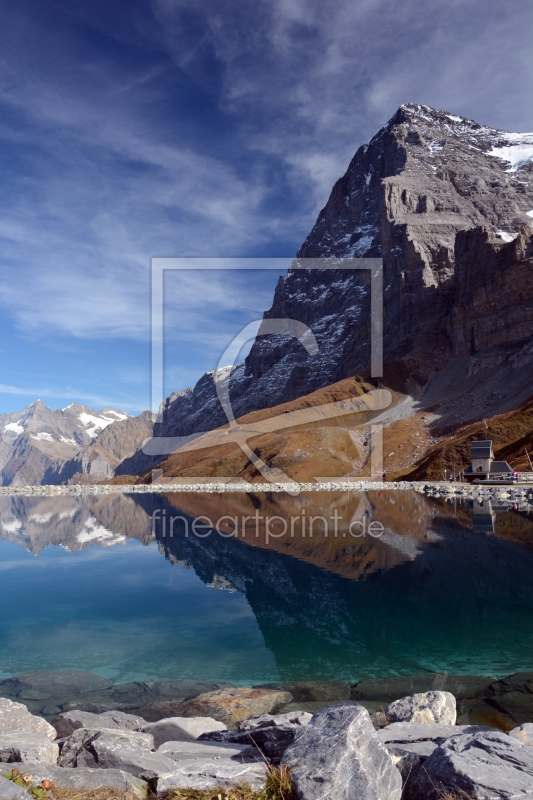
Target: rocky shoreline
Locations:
point(408, 737)
point(435, 488)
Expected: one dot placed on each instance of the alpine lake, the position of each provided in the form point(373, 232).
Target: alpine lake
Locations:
point(252, 589)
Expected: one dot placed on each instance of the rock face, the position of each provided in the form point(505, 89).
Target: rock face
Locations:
point(180, 729)
point(16, 746)
point(484, 766)
point(33, 441)
point(80, 779)
point(14, 717)
point(215, 773)
point(426, 707)
point(232, 706)
point(339, 755)
point(443, 201)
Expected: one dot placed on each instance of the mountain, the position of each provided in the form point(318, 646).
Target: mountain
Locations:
point(448, 205)
point(37, 443)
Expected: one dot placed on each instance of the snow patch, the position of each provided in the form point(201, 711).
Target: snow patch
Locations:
point(73, 442)
point(14, 427)
point(12, 527)
point(529, 213)
point(97, 423)
point(42, 436)
point(507, 237)
point(517, 152)
point(41, 519)
point(92, 532)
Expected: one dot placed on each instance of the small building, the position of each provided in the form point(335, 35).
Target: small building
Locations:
point(483, 467)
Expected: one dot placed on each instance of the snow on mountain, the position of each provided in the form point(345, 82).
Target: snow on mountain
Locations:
point(33, 439)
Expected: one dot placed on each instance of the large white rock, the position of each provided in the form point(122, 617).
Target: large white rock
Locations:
point(524, 733)
point(485, 765)
point(338, 755)
point(181, 729)
point(16, 717)
point(426, 708)
point(81, 779)
point(16, 746)
point(65, 724)
point(128, 751)
point(187, 751)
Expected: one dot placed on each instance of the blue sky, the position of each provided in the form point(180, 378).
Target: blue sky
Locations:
point(199, 127)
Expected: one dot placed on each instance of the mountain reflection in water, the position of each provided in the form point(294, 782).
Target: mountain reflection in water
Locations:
point(447, 587)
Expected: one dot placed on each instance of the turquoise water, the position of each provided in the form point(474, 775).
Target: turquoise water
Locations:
point(92, 583)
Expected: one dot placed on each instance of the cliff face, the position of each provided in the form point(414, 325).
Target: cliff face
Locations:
point(448, 205)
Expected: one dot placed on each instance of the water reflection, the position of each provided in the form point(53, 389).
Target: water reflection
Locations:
point(446, 587)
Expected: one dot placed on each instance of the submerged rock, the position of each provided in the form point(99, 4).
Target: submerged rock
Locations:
point(426, 708)
point(16, 717)
point(312, 691)
point(338, 755)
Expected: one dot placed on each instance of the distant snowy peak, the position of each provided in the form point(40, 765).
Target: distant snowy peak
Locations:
point(94, 422)
point(69, 426)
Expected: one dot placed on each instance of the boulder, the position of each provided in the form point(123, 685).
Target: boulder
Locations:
point(524, 733)
point(187, 751)
point(271, 733)
point(108, 748)
point(80, 779)
point(516, 707)
point(76, 749)
point(16, 717)
point(23, 746)
point(338, 755)
point(65, 724)
point(426, 708)
point(217, 773)
point(484, 765)
point(291, 719)
point(231, 706)
point(181, 729)
point(10, 790)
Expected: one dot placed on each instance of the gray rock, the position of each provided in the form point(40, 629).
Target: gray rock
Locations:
point(483, 765)
point(23, 746)
point(426, 707)
point(52, 683)
point(16, 717)
point(10, 791)
point(271, 733)
point(76, 749)
point(215, 774)
point(292, 719)
point(408, 732)
point(524, 733)
point(408, 764)
point(115, 749)
point(181, 729)
point(187, 751)
point(80, 779)
point(338, 755)
point(65, 724)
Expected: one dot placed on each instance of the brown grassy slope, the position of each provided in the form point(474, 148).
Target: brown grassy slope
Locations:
point(323, 448)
